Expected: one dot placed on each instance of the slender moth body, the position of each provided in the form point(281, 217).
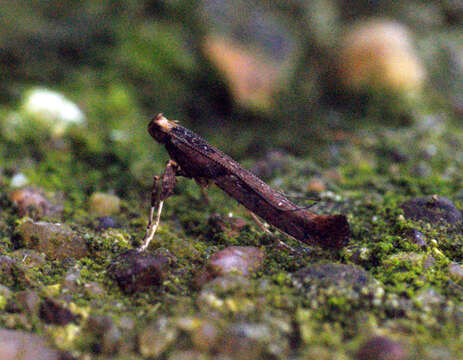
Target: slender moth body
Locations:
point(194, 158)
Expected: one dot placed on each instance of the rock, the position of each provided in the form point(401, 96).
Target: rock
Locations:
point(381, 348)
point(242, 260)
point(33, 203)
point(136, 271)
point(456, 271)
point(155, 339)
point(55, 240)
point(52, 312)
point(432, 209)
point(102, 335)
point(104, 204)
point(18, 345)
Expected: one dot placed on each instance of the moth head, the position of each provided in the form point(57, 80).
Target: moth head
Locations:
point(159, 128)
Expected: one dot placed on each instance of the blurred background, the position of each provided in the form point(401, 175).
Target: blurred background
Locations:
point(81, 79)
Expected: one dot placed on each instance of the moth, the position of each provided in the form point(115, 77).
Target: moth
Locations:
point(192, 157)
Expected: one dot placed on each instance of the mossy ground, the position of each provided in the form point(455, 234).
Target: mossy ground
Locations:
point(368, 187)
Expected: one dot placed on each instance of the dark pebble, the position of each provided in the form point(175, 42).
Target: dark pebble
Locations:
point(381, 348)
point(432, 209)
point(135, 271)
point(52, 312)
point(106, 222)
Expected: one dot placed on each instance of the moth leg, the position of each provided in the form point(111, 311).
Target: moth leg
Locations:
point(259, 223)
point(203, 183)
point(158, 195)
point(280, 244)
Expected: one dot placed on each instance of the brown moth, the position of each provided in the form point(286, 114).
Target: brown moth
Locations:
point(193, 157)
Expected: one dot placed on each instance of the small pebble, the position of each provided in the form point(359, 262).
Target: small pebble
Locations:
point(136, 271)
point(432, 209)
point(104, 204)
point(18, 180)
point(106, 222)
point(316, 185)
point(32, 202)
point(381, 348)
point(243, 260)
point(55, 240)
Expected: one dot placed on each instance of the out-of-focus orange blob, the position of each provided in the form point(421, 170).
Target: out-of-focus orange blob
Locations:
point(251, 77)
point(379, 54)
